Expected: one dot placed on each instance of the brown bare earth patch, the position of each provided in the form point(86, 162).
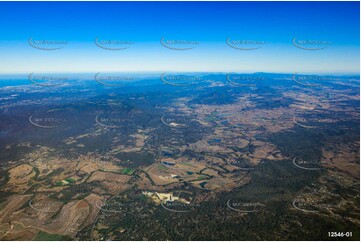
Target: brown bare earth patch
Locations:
point(262, 151)
point(12, 204)
point(108, 176)
point(343, 158)
point(110, 182)
point(67, 222)
point(144, 182)
point(19, 178)
point(89, 163)
point(91, 200)
point(20, 174)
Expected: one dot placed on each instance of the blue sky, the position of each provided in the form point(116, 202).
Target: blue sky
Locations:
point(209, 23)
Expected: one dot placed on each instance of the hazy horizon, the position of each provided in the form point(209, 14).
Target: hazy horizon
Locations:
point(318, 37)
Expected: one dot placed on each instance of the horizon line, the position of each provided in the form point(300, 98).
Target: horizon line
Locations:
point(170, 71)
